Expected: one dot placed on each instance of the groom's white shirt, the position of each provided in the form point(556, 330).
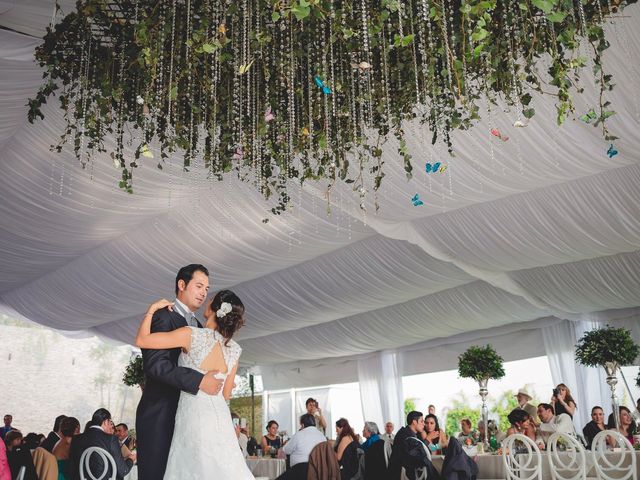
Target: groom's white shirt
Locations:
point(188, 315)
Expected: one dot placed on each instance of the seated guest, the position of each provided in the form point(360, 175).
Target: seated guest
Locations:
point(371, 433)
point(551, 423)
point(400, 451)
point(99, 434)
point(467, 436)
point(345, 448)
point(521, 423)
point(387, 436)
point(627, 425)
point(19, 456)
point(595, 426)
point(636, 414)
point(524, 398)
point(435, 439)
point(31, 441)
point(69, 428)
point(8, 419)
point(300, 446)
point(271, 439)
point(122, 432)
point(562, 401)
point(54, 436)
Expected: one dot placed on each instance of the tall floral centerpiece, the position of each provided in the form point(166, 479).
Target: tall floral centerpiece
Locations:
point(134, 373)
point(609, 348)
point(481, 364)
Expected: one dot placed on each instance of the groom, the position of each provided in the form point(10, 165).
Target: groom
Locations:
point(164, 378)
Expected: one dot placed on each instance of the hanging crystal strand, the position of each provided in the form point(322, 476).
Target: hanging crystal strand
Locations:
point(157, 110)
point(332, 15)
point(385, 73)
point(445, 38)
point(291, 102)
point(509, 22)
point(237, 102)
point(422, 46)
point(189, 154)
point(171, 59)
point(414, 52)
point(366, 75)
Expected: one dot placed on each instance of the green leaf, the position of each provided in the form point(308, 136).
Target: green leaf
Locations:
point(556, 17)
point(208, 48)
point(174, 93)
point(545, 5)
point(275, 16)
point(301, 10)
point(528, 112)
point(407, 39)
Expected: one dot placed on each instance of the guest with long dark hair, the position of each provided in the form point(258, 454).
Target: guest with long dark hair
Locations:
point(435, 438)
point(69, 428)
point(595, 426)
point(627, 428)
point(345, 448)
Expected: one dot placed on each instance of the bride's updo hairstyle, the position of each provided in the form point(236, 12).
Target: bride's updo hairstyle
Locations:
point(229, 322)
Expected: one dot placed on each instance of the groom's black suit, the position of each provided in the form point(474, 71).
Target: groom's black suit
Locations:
point(157, 408)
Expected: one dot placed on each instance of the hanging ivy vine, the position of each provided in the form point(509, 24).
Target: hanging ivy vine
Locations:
point(297, 89)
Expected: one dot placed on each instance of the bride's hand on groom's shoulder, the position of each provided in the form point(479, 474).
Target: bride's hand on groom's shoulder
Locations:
point(210, 384)
point(160, 304)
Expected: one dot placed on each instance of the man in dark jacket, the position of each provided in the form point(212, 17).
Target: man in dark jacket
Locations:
point(54, 436)
point(99, 434)
point(399, 453)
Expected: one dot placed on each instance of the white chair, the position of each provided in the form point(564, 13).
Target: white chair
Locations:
point(570, 463)
point(605, 464)
point(521, 464)
point(21, 473)
point(107, 460)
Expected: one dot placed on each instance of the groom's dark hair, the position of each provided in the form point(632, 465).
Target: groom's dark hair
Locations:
point(186, 273)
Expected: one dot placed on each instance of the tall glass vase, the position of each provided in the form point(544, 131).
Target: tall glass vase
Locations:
point(612, 380)
point(485, 413)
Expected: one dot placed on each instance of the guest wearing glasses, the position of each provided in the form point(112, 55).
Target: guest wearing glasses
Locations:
point(595, 426)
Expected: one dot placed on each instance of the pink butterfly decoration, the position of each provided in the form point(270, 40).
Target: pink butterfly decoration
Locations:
point(268, 116)
point(496, 133)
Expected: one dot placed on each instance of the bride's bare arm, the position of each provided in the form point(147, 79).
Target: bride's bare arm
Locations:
point(228, 383)
point(180, 337)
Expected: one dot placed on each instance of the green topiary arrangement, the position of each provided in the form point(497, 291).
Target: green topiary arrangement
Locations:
point(481, 363)
point(607, 345)
point(134, 373)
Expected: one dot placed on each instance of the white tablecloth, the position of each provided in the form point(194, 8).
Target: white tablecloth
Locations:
point(267, 467)
point(133, 473)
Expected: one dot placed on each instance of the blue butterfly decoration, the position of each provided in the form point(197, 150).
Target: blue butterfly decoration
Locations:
point(612, 152)
point(432, 168)
point(326, 90)
point(416, 200)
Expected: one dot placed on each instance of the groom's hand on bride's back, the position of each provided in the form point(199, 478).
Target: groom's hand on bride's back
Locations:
point(210, 384)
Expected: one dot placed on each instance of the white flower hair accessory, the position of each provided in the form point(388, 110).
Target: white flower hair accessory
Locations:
point(224, 309)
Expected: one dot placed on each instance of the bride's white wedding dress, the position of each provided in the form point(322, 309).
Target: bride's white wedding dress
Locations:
point(204, 444)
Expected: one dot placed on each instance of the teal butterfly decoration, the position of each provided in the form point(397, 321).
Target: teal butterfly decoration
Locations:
point(416, 201)
point(612, 152)
point(435, 167)
point(326, 90)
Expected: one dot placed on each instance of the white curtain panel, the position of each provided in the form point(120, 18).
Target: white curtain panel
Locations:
point(585, 384)
point(278, 406)
point(381, 393)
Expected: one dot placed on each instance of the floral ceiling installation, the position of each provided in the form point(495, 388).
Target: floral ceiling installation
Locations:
point(276, 90)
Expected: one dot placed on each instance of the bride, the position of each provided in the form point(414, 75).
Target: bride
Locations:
point(204, 442)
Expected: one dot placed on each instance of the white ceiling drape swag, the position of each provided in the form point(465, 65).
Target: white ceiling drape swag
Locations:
point(381, 394)
point(514, 235)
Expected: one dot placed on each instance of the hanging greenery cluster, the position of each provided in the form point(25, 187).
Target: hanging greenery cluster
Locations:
point(134, 372)
point(607, 345)
point(481, 363)
point(299, 89)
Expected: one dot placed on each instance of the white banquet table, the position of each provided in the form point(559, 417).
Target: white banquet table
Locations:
point(267, 467)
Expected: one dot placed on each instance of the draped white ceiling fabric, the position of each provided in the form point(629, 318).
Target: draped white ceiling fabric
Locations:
point(514, 235)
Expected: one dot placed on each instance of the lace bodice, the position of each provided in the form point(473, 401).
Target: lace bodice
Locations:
point(202, 342)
